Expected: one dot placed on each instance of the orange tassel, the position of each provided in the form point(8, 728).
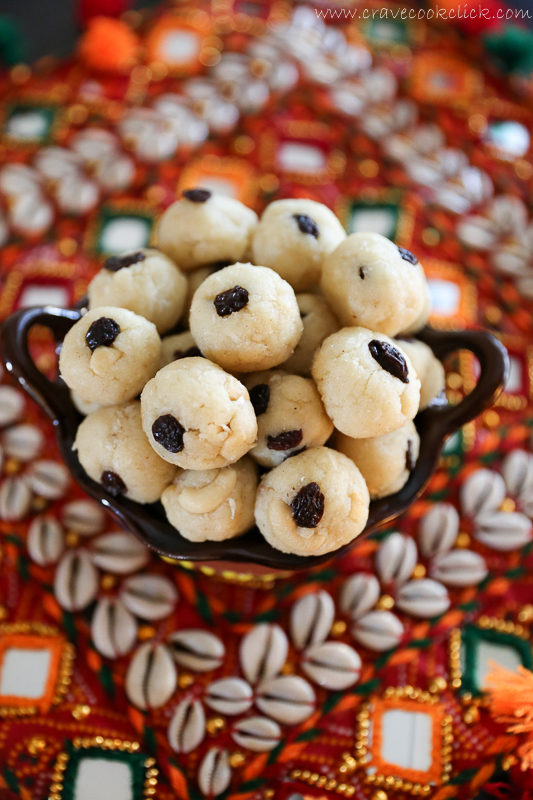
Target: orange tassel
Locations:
point(109, 45)
point(511, 703)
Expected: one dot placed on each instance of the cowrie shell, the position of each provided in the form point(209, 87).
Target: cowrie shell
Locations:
point(149, 596)
point(263, 652)
point(359, 594)
point(258, 734)
point(502, 530)
point(15, 499)
point(438, 529)
point(459, 568)
point(288, 699)
point(332, 665)
point(49, 479)
point(23, 442)
point(423, 598)
point(151, 677)
point(517, 472)
point(196, 649)
point(113, 628)
point(311, 619)
point(84, 517)
point(214, 775)
point(119, 553)
point(378, 630)
point(396, 559)
point(76, 581)
point(187, 726)
point(46, 540)
point(11, 405)
point(483, 490)
point(229, 696)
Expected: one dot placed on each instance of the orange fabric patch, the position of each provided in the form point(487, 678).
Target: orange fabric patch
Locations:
point(436, 712)
point(30, 641)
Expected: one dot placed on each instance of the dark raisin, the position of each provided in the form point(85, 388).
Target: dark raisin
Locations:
point(389, 359)
point(362, 273)
point(192, 352)
point(113, 483)
point(286, 440)
point(197, 195)
point(407, 255)
point(306, 224)
point(115, 263)
point(232, 300)
point(221, 264)
point(102, 333)
point(410, 460)
point(308, 506)
point(260, 397)
point(168, 432)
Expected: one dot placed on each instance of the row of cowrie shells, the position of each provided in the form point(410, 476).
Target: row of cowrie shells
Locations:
point(333, 665)
point(151, 678)
point(76, 583)
point(12, 405)
point(46, 537)
point(395, 559)
point(438, 531)
point(118, 553)
point(502, 530)
point(22, 442)
point(288, 700)
point(48, 479)
point(192, 648)
point(517, 472)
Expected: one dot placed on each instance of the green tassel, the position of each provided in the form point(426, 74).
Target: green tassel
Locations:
point(12, 47)
point(512, 49)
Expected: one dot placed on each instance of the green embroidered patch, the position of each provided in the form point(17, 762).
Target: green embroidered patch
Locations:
point(117, 230)
point(479, 646)
point(123, 771)
point(382, 218)
point(26, 124)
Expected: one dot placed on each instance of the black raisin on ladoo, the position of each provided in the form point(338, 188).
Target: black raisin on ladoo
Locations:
point(308, 506)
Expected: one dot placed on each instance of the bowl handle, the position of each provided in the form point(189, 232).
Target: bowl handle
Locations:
point(494, 371)
point(52, 397)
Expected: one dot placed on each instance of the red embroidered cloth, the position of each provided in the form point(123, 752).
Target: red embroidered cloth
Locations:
point(400, 127)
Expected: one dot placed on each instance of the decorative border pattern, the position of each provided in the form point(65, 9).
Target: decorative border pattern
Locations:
point(498, 631)
point(64, 774)
point(414, 782)
point(34, 635)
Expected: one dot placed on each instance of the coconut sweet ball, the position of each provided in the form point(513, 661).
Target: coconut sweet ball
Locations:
point(213, 504)
point(294, 237)
point(319, 323)
point(367, 383)
point(370, 282)
point(204, 228)
point(290, 415)
point(109, 355)
point(245, 318)
point(144, 281)
point(114, 451)
point(386, 461)
point(197, 416)
point(313, 503)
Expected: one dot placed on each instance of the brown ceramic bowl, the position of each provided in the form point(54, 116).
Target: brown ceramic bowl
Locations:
point(148, 522)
